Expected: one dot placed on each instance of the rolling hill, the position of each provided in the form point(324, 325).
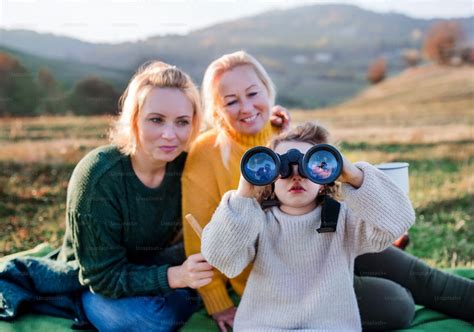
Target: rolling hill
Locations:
point(316, 54)
point(433, 102)
point(68, 72)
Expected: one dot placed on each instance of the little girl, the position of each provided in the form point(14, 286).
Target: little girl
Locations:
point(302, 279)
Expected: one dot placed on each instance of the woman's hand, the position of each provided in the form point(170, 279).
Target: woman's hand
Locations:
point(280, 117)
point(246, 189)
point(351, 174)
point(225, 317)
point(195, 272)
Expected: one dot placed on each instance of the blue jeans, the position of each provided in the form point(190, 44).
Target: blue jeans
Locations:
point(141, 313)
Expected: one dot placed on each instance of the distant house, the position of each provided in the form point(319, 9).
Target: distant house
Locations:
point(320, 57)
point(323, 57)
point(299, 59)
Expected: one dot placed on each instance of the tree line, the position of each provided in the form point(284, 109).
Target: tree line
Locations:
point(24, 94)
point(444, 44)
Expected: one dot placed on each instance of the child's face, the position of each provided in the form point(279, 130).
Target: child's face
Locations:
point(296, 194)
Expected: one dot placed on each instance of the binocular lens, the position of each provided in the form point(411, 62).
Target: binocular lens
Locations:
point(261, 166)
point(260, 169)
point(322, 166)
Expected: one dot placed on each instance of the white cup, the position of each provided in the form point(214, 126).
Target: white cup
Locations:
point(398, 173)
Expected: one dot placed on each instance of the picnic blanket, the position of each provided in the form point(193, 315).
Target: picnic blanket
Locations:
point(425, 319)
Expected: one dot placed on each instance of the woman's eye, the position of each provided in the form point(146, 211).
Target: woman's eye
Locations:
point(156, 120)
point(183, 123)
point(252, 94)
point(232, 102)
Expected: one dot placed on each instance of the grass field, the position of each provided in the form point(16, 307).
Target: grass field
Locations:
point(433, 132)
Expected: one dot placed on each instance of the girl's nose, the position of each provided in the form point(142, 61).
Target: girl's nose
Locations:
point(295, 175)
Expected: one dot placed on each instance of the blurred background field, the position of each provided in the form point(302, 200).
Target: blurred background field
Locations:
point(422, 116)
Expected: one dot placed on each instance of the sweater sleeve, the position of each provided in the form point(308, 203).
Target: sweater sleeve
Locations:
point(379, 212)
point(229, 240)
point(200, 197)
point(103, 264)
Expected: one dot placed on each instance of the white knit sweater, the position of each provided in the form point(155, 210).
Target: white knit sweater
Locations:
point(302, 279)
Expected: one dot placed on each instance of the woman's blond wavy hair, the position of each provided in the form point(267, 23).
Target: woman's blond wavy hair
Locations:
point(155, 74)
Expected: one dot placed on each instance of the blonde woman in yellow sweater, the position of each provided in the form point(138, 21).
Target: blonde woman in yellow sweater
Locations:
point(239, 104)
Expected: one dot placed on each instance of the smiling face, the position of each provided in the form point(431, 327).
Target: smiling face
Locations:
point(296, 194)
point(164, 124)
point(244, 100)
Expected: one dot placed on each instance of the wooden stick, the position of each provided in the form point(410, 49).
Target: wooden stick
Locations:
point(194, 224)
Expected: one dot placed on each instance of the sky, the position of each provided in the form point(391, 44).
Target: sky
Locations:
point(114, 21)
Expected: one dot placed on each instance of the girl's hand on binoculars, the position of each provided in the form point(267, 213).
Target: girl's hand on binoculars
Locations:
point(246, 189)
point(280, 117)
point(351, 174)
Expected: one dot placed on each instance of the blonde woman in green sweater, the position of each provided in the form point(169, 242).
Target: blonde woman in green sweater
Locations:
point(124, 210)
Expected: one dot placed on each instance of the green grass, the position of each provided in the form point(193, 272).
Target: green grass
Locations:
point(441, 190)
point(444, 232)
point(32, 204)
point(33, 194)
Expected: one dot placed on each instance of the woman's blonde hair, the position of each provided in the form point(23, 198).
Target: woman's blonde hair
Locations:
point(156, 74)
point(308, 132)
point(210, 94)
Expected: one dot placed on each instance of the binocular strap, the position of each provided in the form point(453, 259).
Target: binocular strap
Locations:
point(329, 214)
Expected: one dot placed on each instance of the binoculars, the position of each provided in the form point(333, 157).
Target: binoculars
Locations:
point(322, 164)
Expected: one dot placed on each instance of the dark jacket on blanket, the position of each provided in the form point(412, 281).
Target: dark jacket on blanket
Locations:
point(50, 287)
point(40, 285)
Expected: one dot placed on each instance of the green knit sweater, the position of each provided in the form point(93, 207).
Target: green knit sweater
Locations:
point(116, 227)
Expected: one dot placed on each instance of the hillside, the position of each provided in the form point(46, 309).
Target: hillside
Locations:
point(421, 86)
point(429, 104)
point(344, 29)
point(69, 72)
point(317, 54)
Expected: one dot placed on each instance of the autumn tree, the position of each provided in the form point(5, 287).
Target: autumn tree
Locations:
point(46, 80)
point(93, 96)
point(376, 71)
point(18, 91)
point(441, 41)
point(467, 55)
point(52, 98)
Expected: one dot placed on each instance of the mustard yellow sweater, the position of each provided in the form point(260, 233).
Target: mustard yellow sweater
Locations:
point(205, 180)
